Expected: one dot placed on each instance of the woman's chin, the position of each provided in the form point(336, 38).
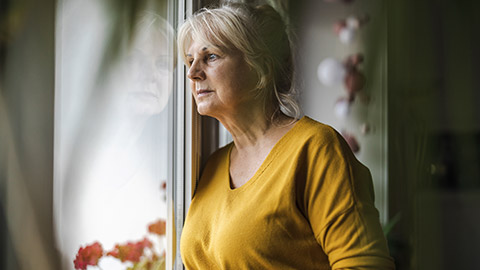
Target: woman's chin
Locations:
point(202, 108)
point(202, 112)
point(205, 111)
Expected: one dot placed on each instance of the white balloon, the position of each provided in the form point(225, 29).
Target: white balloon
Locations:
point(347, 35)
point(331, 72)
point(342, 108)
point(353, 22)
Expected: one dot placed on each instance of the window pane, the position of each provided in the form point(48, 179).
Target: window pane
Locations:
point(114, 83)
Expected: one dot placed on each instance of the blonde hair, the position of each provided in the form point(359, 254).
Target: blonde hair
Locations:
point(260, 34)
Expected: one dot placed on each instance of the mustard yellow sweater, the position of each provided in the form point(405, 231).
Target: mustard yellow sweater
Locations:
point(309, 206)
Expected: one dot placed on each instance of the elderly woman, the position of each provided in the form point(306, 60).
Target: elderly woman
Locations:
point(287, 193)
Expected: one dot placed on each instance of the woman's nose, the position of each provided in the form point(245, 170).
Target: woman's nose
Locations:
point(195, 72)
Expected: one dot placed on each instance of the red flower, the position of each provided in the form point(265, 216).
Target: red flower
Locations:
point(158, 227)
point(88, 255)
point(130, 251)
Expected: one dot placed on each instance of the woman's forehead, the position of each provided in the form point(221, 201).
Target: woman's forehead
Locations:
point(203, 44)
point(198, 47)
point(203, 37)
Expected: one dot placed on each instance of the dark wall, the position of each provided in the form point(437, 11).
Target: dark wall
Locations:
point(434, 133)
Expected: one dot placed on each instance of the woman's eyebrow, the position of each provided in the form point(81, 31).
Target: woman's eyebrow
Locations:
point(203, 49)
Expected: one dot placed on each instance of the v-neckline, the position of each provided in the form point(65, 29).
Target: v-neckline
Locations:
point(266, 162)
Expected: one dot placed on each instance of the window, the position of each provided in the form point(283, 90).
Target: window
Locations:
point(120, 127)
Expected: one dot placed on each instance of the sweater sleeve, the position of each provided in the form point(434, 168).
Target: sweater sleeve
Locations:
point(339, 204)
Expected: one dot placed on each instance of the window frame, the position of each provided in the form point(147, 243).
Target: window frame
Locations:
point(192, 139)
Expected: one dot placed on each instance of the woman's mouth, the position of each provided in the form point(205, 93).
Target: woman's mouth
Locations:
point(203, 92)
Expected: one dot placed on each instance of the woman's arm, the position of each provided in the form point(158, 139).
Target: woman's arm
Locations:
point(339, 203)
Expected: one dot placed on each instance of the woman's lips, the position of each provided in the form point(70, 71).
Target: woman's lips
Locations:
point(203, 92)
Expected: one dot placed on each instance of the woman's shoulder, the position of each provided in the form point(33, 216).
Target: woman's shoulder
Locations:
point(216, 165)
point(220, 155)
point(317, 132)
point(312, 125)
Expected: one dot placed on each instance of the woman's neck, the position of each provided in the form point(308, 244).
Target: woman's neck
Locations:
point(253, 130)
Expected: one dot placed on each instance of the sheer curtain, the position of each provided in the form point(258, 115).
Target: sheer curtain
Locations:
point(113, 83)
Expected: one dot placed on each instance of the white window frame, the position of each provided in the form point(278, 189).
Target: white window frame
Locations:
point(187, 148)
point(183, 126)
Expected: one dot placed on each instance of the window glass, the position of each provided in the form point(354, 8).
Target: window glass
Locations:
point(114, 82)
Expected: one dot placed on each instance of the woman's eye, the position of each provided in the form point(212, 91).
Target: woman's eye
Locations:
point(212, 57)
point(190, 62)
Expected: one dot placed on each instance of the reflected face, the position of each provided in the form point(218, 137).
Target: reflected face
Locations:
point(149, 73)
point(221, 82)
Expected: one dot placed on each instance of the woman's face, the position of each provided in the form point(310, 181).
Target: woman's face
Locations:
point(221, 82)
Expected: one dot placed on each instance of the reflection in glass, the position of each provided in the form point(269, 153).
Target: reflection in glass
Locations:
point(111, 127)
